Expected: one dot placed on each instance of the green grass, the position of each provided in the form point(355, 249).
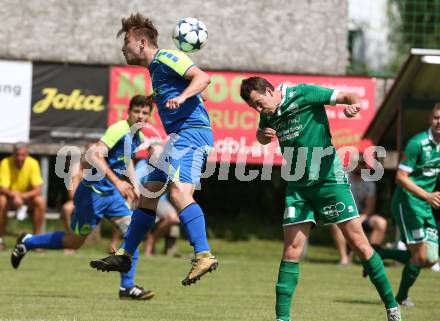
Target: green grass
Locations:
point(53, 286)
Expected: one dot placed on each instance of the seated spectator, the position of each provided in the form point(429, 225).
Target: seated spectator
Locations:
point(364, 193)
point(21, 185)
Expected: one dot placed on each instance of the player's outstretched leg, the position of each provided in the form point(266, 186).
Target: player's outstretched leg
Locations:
point(27, 242)
point(128, 290)
point(193, 221)
point(141, 221)
point(409, 274)
point(372, 264)
point(401, 256)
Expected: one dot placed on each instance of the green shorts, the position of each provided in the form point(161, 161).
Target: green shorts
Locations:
point(415, 220)
point(330, 201)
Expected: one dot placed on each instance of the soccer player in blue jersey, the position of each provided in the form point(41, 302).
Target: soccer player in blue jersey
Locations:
point(177, 87)
point(97, 197)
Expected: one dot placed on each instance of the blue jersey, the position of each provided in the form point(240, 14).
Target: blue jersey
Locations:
point(167, 72)
point(117, 137)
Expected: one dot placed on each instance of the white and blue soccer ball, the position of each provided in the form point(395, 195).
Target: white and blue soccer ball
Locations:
point(190, 35)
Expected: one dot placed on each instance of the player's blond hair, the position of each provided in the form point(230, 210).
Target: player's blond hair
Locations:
point(142, 26)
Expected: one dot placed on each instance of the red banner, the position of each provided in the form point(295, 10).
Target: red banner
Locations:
point(234, 123)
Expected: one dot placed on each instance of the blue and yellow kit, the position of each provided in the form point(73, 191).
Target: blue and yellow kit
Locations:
point(98, 198)
point(189, 126)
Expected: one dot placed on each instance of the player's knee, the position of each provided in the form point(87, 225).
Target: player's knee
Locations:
point(292, 252)
point(123, 225)
point(38, 202)
point(68, 208)
point(177, 196)
point(175, 193)
point(362, 249)
point(380, 223)
point(420, 258)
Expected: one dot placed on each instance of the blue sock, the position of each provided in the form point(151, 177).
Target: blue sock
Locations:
point(193, 222)
point(127, 279)
point(141, 221)
point(52, 240)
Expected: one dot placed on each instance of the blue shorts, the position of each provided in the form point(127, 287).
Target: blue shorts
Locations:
point(91, 207)
point(183, 159)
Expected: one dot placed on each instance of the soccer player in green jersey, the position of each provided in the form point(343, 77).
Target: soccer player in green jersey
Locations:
point(319, 187)
point(412, 204)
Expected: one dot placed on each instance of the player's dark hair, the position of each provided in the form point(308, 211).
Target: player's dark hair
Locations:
point(140, 100)
point(141, 26)
point(254, 83)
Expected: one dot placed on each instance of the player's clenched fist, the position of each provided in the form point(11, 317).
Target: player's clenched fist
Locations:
point(174, 103)
point(352, 110)
point(265, 135)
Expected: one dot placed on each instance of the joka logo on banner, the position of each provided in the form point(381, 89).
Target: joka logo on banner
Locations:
point(69, 102)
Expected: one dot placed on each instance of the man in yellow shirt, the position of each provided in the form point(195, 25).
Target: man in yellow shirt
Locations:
point(21, 184)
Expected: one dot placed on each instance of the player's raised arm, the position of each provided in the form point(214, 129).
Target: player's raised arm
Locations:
point(352, 101)
point(199, 81)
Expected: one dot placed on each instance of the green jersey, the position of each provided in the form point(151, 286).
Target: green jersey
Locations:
point(304, 134)
point(421, 159)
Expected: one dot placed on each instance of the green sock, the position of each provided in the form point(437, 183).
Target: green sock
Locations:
point(287, 280)
point(401, 256)
point(409, 276)
point(376, 271)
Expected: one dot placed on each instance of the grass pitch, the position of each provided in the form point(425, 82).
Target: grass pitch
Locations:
point(51, 286)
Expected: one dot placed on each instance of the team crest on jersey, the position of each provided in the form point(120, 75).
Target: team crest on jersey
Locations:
point(288, 123)
point(291, 94)
point(292, 107)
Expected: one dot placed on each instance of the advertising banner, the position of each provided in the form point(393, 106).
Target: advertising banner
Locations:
point(69, 102)
point(234, 123)
point(15, 100)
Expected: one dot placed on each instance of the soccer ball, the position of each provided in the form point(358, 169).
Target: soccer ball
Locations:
point(190, 35)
